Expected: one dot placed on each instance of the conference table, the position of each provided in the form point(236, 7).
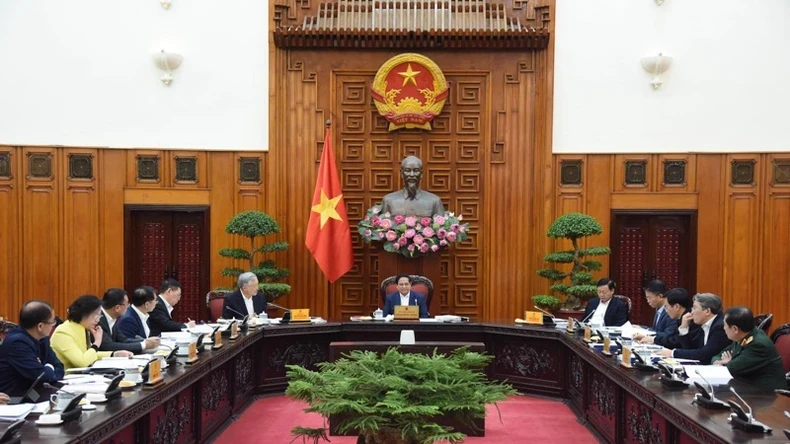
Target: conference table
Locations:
point(197, 401)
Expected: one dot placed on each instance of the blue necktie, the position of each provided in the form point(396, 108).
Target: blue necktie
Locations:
point(656, 319)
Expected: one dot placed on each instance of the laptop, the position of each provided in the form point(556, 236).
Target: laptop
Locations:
point(31, 395)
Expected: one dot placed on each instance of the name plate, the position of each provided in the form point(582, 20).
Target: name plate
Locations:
point(192, 351)
point(300, 315)
point(533, 317)
point(154, 371)
point(569, 328)
point(407, 312)
point(626, 362)
point(217, 340)
point(607, 344)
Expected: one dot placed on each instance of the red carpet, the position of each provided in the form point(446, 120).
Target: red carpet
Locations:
point(524, 419)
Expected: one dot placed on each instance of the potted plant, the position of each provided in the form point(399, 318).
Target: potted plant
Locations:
point(397, 397)
point(255, 225)
point(571, 226)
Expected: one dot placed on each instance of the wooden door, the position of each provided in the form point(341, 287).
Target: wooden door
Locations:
point(647, 246)
point(168, 243)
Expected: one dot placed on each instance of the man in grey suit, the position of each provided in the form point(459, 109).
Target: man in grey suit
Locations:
point(114, 305)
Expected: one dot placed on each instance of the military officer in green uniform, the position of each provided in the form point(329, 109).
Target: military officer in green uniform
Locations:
point(751, 356)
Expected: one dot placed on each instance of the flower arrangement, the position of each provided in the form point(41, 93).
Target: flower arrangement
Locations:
point(412, 236)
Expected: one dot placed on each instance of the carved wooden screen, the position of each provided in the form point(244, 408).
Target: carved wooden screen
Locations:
point(453, 155)
point(169, 244)
point(647, 247)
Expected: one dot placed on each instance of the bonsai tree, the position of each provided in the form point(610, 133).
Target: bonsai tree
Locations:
point(571, 226)
point(255, 225)
point(396, 397)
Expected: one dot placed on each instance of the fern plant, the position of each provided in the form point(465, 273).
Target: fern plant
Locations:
point(572, 226)
point(397, 395)
point(254, 225)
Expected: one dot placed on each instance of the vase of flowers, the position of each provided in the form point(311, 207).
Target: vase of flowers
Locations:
point(412, 236)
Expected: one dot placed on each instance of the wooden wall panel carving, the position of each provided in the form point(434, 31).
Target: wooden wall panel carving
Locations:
point(10, 281)
point(369, 168)
point(81, 226)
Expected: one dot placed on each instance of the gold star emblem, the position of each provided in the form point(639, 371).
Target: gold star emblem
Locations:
point(327, 208)
point(409, 75)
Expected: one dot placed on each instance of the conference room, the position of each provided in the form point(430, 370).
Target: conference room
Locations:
point(199, 196)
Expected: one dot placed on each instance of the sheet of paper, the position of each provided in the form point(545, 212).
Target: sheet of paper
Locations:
point(15, 412)
point(715, 374)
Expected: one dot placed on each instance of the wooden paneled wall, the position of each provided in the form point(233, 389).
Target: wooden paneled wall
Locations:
point(62, 213)
point(743, 214)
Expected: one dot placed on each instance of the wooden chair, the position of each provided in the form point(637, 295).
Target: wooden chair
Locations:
point(215, 301)
point(781, 338)
point(627, 301)
point(419, 284)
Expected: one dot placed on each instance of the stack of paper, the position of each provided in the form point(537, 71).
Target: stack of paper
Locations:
point(15, 412)
point(714, 374)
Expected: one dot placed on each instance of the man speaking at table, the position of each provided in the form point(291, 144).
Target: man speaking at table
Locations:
point(404, 296)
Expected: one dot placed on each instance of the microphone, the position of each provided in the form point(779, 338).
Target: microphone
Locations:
point(745, 421)
point(588, 317)
point(279, 306)
point(544, 312)
point(706, 398)
point(238, 313)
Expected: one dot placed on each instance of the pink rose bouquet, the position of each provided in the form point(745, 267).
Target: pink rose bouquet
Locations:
point(413, 236)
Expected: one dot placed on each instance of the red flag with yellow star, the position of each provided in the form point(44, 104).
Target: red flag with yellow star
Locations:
point(328, 232)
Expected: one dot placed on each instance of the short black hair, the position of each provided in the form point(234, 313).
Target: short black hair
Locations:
point(656, 287)
point(740, 317)
point(34, 313)
point(608, 282)
point(678, 296)
point(83, 306)
point(113, 297)
point(169, 284)
point(142, 295)
point(402, 275)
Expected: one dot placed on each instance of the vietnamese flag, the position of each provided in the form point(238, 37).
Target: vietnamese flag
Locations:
point(328, 233)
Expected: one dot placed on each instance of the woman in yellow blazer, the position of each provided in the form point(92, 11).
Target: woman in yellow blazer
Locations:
point(76, 342)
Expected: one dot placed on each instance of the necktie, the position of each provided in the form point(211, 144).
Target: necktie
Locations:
point(656, 319)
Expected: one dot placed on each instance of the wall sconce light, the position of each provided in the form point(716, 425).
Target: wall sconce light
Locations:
point(167, 62)
point(167, 3)
point(656, 65)
point(658, 2)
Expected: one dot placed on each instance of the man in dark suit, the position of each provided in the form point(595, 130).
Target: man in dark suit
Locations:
point(115, 305)
point(26, 352)
point(246, 300)
point(161, 317)
point(701, 332)
point(677, 303)
point(606, 309)
point(663, 324)
point(751, 356)
point(404, 296)
point(134, 323)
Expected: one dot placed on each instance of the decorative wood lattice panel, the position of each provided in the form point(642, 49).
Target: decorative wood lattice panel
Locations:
point(188, 271)
point(153, 254)
point(668, 256)
point(369, 159)
point(631, 267)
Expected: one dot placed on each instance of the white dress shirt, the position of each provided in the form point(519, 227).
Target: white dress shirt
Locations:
point(248, 303)
point(110, 319)
point(404, 299)
point(144, 318)
point(683, 331)
point(168, 306)
point(598, 316)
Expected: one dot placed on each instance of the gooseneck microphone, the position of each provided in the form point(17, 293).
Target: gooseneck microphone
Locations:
point(278, 306)
point(238, 313)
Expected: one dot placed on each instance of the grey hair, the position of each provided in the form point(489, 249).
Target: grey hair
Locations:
point(709, 301)
point(245, 278)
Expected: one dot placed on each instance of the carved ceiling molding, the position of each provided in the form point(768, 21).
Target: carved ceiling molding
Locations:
point(370, 24)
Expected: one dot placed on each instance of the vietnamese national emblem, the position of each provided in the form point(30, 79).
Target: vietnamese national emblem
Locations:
point(409, 91)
